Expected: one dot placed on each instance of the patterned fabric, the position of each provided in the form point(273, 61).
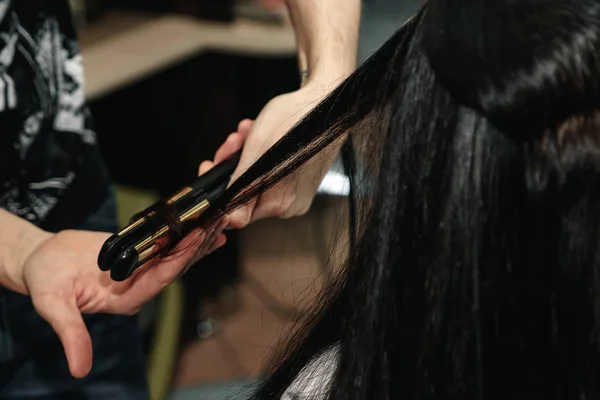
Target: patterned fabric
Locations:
point(46, 137)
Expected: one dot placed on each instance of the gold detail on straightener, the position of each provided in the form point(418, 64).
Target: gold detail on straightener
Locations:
point(179, 195)
point(131, 226)
point(195, 211)
point(148, 243)
point(172, 200)
point(145, 254)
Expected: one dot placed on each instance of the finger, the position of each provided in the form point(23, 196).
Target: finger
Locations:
point(66, 320)
point(241, 217)
point(244, 127)
point(216, 244)
point(206, 243)
point(205, 166)
point(233, 143)
point(277, 202)
point(171, 266)
point(200, 253)
point(213, 241)
point(147, 282)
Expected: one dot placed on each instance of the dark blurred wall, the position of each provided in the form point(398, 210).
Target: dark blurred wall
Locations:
point(155, 133)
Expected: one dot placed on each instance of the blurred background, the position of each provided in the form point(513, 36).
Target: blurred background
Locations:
point(167, 81)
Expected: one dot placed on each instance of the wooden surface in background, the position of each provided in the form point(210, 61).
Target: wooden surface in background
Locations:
point(123, 48)
point(206, 9)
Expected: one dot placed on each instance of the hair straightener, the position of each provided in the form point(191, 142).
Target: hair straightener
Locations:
point(149, 232)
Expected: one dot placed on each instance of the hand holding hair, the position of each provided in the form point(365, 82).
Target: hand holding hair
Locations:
point(292, 196)
point(327, 37)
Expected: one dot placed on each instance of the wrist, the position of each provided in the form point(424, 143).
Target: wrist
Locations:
point(18, 241)
point(326, 37)
point(328, 74)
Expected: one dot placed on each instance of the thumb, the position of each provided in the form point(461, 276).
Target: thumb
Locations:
point(66, 320)
point(242, 216)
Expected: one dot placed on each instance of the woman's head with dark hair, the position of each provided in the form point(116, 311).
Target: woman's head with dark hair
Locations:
point(474, 154)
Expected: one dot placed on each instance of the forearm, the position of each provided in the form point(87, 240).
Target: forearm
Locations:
point(327, 37)
point(18, 239)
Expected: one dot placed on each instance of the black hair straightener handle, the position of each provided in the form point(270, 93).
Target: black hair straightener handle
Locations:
point(149, 232)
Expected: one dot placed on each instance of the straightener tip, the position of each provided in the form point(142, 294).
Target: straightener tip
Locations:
point(104, 259)
point(125, 265)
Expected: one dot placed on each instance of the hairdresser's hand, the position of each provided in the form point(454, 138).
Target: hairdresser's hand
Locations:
point(292, 196)
point(62, 277)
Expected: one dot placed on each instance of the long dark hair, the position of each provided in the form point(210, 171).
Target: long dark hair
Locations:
point(474, 274)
